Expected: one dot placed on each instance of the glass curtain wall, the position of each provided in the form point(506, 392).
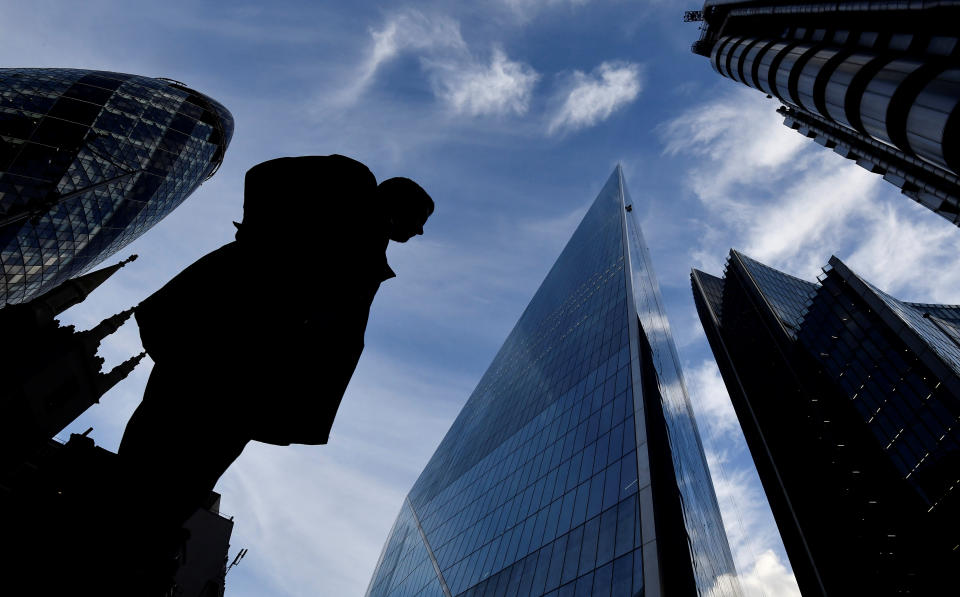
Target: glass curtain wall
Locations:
point(539, 487)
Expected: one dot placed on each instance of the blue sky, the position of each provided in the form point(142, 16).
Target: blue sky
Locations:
point(512, 114)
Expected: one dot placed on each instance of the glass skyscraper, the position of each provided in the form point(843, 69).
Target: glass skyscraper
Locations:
point(89, 160)
point(575, 468)
point(850, 402)
point(878, 82)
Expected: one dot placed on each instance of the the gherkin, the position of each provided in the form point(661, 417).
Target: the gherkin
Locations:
point(90, 160)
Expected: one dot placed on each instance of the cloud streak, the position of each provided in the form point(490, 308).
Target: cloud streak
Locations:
point(524, 10)
point(475, 88)
point(305, 508)
point(465, 82)
point(595, 97)
point(405, 31)
point(788, 202)
point(791, 203)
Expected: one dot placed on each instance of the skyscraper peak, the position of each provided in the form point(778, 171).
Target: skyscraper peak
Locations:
point(575, 465)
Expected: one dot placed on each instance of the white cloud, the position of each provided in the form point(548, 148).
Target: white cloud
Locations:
point(413, 30)
point(409, 30)
point(753, 536)
point(769, 578)
point(746, 514)
point(463, 81)
point(524, 10)
point(470, 87)
point(789, 202)
point(910, 256)
point(751, 531)
point(593, 98)
point(739, 136)
point(713, 403)
point(285, 498)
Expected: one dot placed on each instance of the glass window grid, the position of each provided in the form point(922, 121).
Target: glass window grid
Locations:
point(566, 368)
point(534, 489)
point(81, 231)
point(787, 295)
point(904, 404)
point(908, 409)
point(405, 566)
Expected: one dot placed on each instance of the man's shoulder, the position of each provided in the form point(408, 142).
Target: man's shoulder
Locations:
point(206, 280)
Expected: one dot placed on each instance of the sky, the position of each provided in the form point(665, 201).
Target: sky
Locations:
point(511, 114)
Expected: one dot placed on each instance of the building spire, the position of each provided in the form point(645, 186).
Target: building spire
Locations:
point(74, 291)
point(105, 381)
point(95, 335)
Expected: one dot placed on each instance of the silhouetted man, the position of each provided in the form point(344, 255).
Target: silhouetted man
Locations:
point(258, 339)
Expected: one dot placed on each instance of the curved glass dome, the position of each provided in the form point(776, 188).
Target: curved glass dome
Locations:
point(90, 160)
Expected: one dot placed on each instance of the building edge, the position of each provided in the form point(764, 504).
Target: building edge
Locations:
point(808, 579)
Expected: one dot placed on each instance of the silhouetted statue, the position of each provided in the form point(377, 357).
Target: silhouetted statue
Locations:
point(258, 339)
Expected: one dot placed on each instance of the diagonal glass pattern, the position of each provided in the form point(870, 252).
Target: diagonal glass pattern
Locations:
point(89, 160)
point(941, 337)
point(788, 296)
point(405, 565)
point(868, 386)
point(535, 488)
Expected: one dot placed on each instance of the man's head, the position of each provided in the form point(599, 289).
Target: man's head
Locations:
point(407, 207)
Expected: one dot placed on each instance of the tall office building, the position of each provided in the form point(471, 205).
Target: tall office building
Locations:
point(878, 82)
point(849, 400)
point(89, 160)
point(575, 467)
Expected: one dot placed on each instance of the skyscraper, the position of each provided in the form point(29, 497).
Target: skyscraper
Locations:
point(878, 82)
point(849, 400)
point(89, 160)
point(575, 467)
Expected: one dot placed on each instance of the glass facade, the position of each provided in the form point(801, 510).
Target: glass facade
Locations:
point(89, 160)
point(907, 400)
point(549, 480)
point(850, 402)
point(669, 419)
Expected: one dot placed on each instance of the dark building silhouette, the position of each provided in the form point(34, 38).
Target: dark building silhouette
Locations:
point(849, 400)
point(56, 510)
point(877, 82)
point(89, 160)
point(204, 569)
point(575, 467)
point(71, 504)
point(51, 373)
